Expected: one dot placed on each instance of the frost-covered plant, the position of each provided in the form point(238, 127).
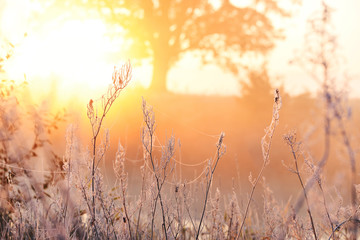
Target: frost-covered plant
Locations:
point(321, 59)
point(161, 169)
point(24, 143)
point(266, 146)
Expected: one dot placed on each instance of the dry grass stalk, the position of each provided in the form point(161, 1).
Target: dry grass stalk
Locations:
point(120, 78)
point(160, 170)
point(220, 151)
point(266, 145)
point(290, 139)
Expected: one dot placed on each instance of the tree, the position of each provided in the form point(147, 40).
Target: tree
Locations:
point(258, 91)
point(217, 31)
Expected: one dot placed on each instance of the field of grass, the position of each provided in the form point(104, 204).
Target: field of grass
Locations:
point(45, 195)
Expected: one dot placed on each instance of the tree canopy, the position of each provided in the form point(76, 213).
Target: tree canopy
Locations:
point(218, 31)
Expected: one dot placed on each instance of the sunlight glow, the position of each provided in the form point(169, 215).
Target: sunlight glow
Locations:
point(75, 57)
point(71, 53)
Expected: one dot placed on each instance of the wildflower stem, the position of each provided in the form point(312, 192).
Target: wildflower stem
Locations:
point(291, 143)
point(219, 154)
point(266, 146)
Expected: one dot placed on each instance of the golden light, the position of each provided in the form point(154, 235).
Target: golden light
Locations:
point(74, 54)
point(76, 57)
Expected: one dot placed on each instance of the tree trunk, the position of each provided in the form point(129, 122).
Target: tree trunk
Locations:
point(160, 70)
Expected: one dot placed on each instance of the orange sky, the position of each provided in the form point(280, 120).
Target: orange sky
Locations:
point(83, 59)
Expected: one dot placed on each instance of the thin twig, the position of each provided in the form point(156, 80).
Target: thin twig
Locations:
point(219, 154)
point(266, 146)
point(291, 141)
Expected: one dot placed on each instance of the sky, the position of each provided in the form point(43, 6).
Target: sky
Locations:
point(345, 18)
point(84, 58)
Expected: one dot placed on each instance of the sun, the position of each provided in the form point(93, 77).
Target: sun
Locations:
point(75, 56)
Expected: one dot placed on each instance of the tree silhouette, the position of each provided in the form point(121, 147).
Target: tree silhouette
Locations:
point(217, 31)
point(257, 92)
point(258, 87)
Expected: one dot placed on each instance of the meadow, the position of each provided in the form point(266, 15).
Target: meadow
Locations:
point(46, 195)
point(151, 164)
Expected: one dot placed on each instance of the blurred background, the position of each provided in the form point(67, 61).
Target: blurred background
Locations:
point(204, 66)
